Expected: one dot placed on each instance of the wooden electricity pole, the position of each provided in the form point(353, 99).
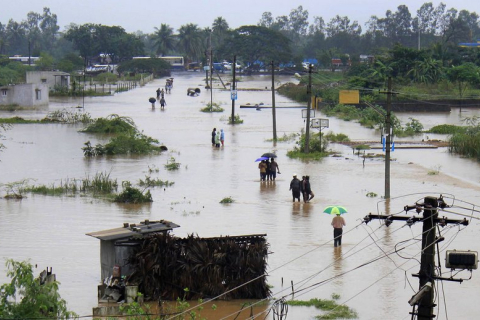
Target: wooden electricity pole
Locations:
point(273, 105)
point(309, 97)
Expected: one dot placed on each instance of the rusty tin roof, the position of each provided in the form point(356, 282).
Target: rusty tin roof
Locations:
point(134, 230)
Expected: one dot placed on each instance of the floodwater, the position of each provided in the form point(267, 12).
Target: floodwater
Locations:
point(50, 231)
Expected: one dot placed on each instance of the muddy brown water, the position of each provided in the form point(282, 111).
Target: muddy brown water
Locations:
point(50, 231)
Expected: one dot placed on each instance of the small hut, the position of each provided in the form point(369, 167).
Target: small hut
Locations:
point(116, 245)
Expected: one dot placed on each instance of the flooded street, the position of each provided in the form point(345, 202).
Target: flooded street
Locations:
point(50, 231)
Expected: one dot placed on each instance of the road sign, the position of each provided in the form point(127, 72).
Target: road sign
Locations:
point(304, 113)
point(319, 123)
point(233, 94)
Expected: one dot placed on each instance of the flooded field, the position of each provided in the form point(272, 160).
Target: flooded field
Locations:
point(50, 231)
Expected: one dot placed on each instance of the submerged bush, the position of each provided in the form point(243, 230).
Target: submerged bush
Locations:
point(132, 143)
point(150, 182)
point(227, 200)
point(112, 124)
point(317, 146)
point(215, 107)
point(133, 195)
point(339, 137)
point(446, 129)
point(236, 120)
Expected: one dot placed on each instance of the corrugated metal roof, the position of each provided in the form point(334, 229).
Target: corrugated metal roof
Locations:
point(132, 230)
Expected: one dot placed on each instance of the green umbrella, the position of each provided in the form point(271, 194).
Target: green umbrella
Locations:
point(335, 210)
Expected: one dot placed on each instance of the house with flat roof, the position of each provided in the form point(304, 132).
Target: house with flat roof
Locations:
point(24, 95)
point(53, 79)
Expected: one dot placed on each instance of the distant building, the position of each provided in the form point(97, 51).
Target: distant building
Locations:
point(53, 79)
point(24, 95)
point(337, 62)
point(365, 58)
point(25, 60)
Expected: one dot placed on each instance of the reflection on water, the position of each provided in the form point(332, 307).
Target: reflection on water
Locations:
point(51, 230)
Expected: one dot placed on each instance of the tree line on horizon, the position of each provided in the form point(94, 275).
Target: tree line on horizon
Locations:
point(284, 39)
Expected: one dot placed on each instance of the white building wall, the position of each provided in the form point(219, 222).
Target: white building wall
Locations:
point(50, 78)
point(25, 95)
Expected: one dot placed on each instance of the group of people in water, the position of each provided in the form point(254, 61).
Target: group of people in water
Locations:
point(301, 187)
point(218, 138)
point(268, 169)
point(161, 98)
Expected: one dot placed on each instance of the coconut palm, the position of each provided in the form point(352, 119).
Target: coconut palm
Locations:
point(164, 40)
point(219, 31)
point(190, 41)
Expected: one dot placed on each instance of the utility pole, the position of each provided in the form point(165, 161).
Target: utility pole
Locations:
point(425, 296)
point(309, 97)
point(388, 128)
point(273, 105)
point(29, 55)
point(427, 262)
point(234, 67)
point(211, 71)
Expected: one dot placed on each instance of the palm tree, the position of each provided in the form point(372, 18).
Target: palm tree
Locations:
point(219, 31)
point(190, 41)
point(382, 71)
point(164, 39)
point(427, 70)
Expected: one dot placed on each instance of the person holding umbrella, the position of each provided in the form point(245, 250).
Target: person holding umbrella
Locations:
point(337, 223)
point(273, 169)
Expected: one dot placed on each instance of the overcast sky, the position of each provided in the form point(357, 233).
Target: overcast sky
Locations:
point(144, 15)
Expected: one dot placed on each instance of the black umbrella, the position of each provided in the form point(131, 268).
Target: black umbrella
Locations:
point(269, 155)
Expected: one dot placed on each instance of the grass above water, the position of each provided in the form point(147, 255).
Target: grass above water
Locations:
point(332, 309)
point(58, 116)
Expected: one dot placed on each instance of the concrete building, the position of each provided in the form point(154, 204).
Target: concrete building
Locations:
point(53, 79)
point(24, 95)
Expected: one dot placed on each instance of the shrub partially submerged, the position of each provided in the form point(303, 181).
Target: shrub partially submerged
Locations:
point(113, 124)
point(131, 143)
point(133, 195)
point(317, 146)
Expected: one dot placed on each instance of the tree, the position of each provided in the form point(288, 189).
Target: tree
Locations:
point(95, 39)
point(164, 39)
point(25, 297)
point(49, 28)
point(159, 67)
point(464, 75)
point(190, 41)
point(45, 63)
point(325, 57)
point(16, 37)
point(70, 62)
point(266, 20)
point(82, 38)
point(220, 30)
point(427, 70)
point(255, 44)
